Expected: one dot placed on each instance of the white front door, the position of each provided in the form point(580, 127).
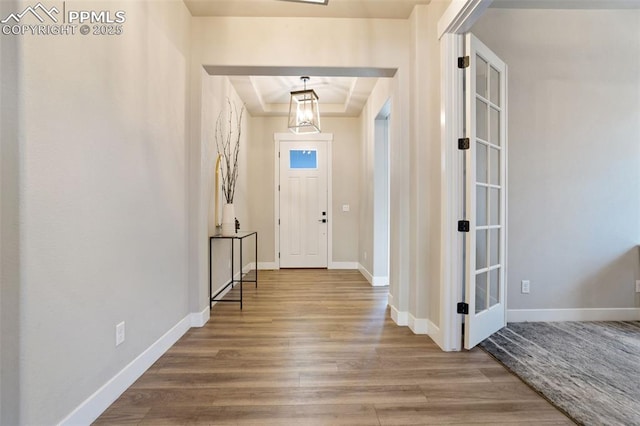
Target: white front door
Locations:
point(485, 252)
point(304, 214)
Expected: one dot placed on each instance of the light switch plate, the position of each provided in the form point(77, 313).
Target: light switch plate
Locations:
point(346, 207)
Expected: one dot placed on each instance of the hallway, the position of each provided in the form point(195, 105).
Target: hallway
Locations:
point(318, 347)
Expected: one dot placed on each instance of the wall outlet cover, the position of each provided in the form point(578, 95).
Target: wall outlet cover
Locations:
point(637, 286)
point(525, 286)
point(119, 333)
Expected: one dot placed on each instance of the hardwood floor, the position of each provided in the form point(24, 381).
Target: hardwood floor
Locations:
point(317, 347)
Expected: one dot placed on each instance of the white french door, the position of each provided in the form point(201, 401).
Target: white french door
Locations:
point(304, 214)
point(485, 203)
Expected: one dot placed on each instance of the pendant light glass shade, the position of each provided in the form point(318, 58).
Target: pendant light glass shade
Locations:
point(304, 115)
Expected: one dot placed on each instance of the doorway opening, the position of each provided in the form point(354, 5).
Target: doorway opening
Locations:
point(381, 197)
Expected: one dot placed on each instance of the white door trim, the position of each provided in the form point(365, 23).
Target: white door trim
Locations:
point(457, 19)
point(318, 137)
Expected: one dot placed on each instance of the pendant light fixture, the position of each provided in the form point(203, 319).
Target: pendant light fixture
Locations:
point(304, 116)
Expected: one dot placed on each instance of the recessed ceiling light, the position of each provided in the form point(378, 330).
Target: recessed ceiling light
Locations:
point(323, 2)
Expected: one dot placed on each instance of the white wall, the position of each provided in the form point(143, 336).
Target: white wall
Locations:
point(103, 206)
point(574, 156)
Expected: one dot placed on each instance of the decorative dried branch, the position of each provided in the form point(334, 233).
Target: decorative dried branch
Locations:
point(227, 134)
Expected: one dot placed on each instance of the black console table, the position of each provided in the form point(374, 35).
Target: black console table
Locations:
point(239, 236)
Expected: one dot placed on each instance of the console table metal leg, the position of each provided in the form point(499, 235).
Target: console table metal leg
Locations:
point(241, 277)
point(210, 279)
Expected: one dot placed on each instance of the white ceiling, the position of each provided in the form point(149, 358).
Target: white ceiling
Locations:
point(566, 4)
point(270, 95)
point(386, 9)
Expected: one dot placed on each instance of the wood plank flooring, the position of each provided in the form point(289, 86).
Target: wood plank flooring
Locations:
point(317, 347)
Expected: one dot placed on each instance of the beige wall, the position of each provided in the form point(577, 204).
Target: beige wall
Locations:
point(574, 156)
point(346, 166)
point(10, 87)
point(115, 180)
point(277, 42)
point(216, 92)
point(103, 206)
point(383, 92)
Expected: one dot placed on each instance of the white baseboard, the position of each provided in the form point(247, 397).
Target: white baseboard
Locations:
point(343, 265)
point(100, 400)
point(399, 317)
point(226, 290)
point(587, 314)
point(365, 273)
point(265, 266)
point(436, 335)
point(199, 319)
point(268, 266)
point(374, 281)
point(380, 281)
point(418, 325)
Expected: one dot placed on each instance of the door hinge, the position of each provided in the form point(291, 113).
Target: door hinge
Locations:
point(278, 221)
point(463, 308)
point(278, 187)
point(463, 62)
point(463, 226)
point(278, 255)
point(464, 143)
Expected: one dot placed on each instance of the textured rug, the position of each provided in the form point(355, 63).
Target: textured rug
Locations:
point(590, 370)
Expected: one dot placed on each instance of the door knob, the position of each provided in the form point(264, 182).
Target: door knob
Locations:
point(323, 220)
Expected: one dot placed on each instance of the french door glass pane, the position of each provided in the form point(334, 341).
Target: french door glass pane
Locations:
point(482, 112)
point(481, 249)
point(481, 163)
point(481, 206)
point(494, 287)
point(494, 247)
point(494, 82)
point(494, 206)
point(481, 292)
point(481, 77)
point(494, 126)
point(494, 173)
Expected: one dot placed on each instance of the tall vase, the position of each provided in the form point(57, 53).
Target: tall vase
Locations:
point(228, 220)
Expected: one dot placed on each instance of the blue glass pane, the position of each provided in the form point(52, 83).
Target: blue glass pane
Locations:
point(303, 159)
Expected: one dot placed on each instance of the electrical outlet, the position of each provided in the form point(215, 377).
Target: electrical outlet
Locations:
point(637, 286)
point(119, 333)
point(525, 286)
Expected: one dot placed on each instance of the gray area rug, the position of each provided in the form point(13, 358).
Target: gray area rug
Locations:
point(590, 370)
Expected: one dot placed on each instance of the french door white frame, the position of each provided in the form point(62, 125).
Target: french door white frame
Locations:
point(454, 23)
point(290, 137)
